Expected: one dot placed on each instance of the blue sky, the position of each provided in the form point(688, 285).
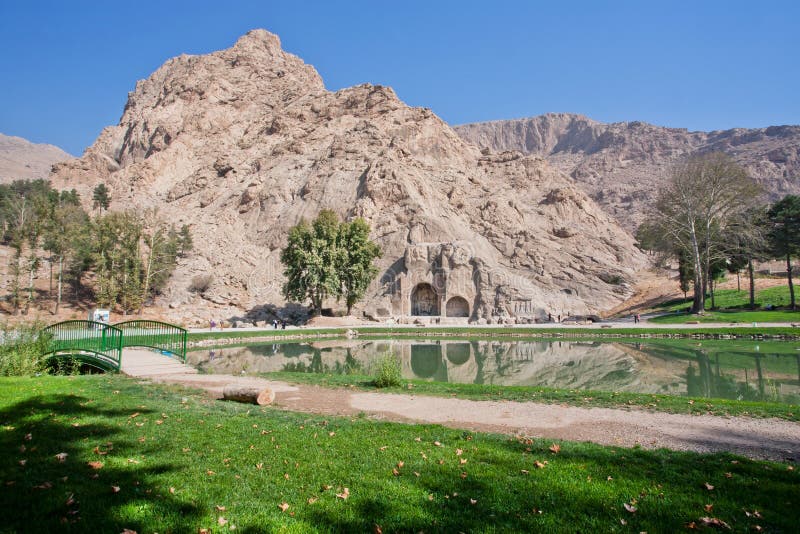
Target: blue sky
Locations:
point(67, 67)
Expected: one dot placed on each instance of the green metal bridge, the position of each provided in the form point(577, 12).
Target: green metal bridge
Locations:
point(100, 345)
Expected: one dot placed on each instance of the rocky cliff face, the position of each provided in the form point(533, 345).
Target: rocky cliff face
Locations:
point(22, 160)
point(621, 165)
point(241, 144)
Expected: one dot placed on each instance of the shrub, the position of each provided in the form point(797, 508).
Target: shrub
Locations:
point(201, 283)
point(22, 350)
point(388, 371)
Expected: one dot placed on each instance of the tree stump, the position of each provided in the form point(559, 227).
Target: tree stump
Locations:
point(248, 394)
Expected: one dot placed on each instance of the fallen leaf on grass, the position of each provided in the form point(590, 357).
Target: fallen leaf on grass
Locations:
point(728, 475)
point(538, 464)
point(137, 414)
point(210, 472)
point(714, 522)
point(383, 448)
point(463, 474)
point(260, 465)
point(344, 494)
point(708, 507)
point(70, 500)
point(462, 461)
point(395, 472)
point(222, 521)
point(437, 443)
point(400, 464)
point(114, 489)
point(44, 486)
point(630, 508)
point(708, 486)
point(555, 448)
point(326, 487)
point(312, 500)
point(28, 437)
point(172, 491)
point(95, 465)
point(286, 476)
point(219, 508)
point(62, 457)
point(126, 530)
point(283, 506)
point(525, 471)
point(459, 452)
point(417, 439)
point(22, 462)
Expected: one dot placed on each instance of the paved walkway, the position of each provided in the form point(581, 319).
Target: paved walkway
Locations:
point(143, 363)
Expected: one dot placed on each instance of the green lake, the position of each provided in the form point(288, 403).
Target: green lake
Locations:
point(750, 370)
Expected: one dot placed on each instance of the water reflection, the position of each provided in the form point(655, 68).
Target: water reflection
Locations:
point(719, 369)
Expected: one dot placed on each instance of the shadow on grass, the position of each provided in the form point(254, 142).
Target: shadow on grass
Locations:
point(42, 493)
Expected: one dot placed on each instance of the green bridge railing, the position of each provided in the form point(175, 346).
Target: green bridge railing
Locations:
point(90, 341)
point(168, 338)
point(101, 344)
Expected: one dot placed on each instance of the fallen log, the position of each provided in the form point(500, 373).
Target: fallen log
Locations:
point(248, 394)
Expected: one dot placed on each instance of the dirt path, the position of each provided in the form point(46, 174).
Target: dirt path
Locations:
point(772, 439)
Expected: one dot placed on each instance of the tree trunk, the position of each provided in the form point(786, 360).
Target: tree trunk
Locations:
point(699, 304)
point(751, 274)
point(791, 283)
point(738, 282)
point(60, 278)
point(248, 394)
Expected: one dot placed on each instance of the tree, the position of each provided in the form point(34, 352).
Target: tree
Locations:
point(695, 210)
point(328, 259)
point(160, 254)
point(101, 198)
point(185, 243)
point(784, 234)
point(356, 270)
point(310, 260)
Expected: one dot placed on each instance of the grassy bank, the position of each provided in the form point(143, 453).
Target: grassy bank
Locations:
point(103, 453)
point(575, 397)
point(733, 306)
point(743, 332)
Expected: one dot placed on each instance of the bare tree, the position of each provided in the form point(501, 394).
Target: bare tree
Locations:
point(697, 210)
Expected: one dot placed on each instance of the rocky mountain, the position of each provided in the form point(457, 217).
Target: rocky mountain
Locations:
point(622, 164)
point(22, 160)
point(241, 144)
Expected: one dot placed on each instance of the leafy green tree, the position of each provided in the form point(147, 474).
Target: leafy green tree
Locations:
point(184, 241)
point(311, 260)
point(784, 234)
point(101, 197)
point(159, 255)
point(116, 259)
point(356, 270)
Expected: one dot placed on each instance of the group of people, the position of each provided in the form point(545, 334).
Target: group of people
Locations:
point(275, 324)
point(213, 324)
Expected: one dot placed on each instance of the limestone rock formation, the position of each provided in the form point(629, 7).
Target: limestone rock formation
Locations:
point(241, 144)
point(621, 165)
point(22, 160)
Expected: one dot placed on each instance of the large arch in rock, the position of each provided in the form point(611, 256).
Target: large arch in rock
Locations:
point(457, 307)
point(424, 300)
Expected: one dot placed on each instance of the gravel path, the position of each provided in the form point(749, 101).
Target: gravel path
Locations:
point(772, 439)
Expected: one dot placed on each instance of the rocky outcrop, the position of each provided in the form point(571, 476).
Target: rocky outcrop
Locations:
point(241, 144)
point(22, 160)
point(621, 165)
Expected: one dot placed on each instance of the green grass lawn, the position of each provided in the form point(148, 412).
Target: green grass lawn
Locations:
point(733, 307)
point(104, 453)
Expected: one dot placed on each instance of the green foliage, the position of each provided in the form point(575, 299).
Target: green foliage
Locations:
point(784, 234)
point(328, 259)
point(356, 269)
point(388, 371)
point(101, 197)
point(22, 349)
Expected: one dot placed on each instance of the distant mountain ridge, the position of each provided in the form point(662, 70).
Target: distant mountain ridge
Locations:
point(22, 160)
point(621, 164)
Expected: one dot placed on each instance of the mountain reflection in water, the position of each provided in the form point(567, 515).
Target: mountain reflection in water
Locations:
point(726, 370)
